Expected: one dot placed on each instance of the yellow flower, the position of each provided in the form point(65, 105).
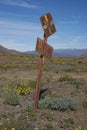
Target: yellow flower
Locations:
point(76, 129)
point(13, 128)
point(1, 123)
point(8, 119)
point(5, 129)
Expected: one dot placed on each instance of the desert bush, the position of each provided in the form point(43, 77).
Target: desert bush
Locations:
point(23, 88)
point(33, 66)
point(44, 103)
point(11, 97)
point(71, 80)
point(9, 124)
point(4, 66)
point(84, 104)
point(66, 123)
point(49, 126)
point(45, 68)
point(55, 103)
point(32, 84)
point(64, 104)
point(65, 77)
point(69, 69)
point(29, 107)
point(48, 116)
point(76, 83)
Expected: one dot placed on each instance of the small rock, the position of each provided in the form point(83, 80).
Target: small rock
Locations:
point(18, 106)
point(36, 129)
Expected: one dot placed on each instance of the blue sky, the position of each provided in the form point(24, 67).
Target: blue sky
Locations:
point(20, 23)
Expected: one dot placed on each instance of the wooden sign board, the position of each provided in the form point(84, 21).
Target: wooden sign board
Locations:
point(47, 24)
point(44, 48)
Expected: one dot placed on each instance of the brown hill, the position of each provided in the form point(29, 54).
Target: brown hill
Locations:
point(5, 50)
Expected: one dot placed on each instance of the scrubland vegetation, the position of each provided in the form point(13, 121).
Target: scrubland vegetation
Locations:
point(63, 106)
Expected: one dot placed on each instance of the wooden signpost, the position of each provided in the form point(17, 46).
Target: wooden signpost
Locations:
point(47, 24)
point(44, 49)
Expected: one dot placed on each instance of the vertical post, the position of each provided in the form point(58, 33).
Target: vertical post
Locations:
point(38, 83)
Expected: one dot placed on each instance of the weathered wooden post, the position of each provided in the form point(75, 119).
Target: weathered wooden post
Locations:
point(40, 69)
point(44, 49)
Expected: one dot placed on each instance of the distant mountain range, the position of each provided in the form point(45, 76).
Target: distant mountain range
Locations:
point(70, 52)
point(65, 52)
point(5, 50)
point(56, 52)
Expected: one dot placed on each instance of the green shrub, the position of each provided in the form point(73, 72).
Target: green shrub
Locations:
point(31, 84)
point(45, 68)
point(84, 104)
point(73, 104)
point(65, 77)
point(29, 106)
point(11, 97)
point(55, 103)
point(10, 124)
point(44, 103)
point(71, 80)
point(64, 103)
point(76, 83)
point(66, 123)
point(48, 116)
point(49, 126)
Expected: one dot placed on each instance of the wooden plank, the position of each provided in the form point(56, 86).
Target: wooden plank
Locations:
point(44, 48)
point(39, 46)
point(48, 24)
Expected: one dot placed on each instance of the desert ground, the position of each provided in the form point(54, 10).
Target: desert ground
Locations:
point(63, 106)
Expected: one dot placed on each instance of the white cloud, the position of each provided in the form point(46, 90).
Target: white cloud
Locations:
point(19, 28)
point(79, 41)
point(80, 17)
point(69, 22)
point(3, 14)
point(19, 35)
point(20, 3)
point(17, 45)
